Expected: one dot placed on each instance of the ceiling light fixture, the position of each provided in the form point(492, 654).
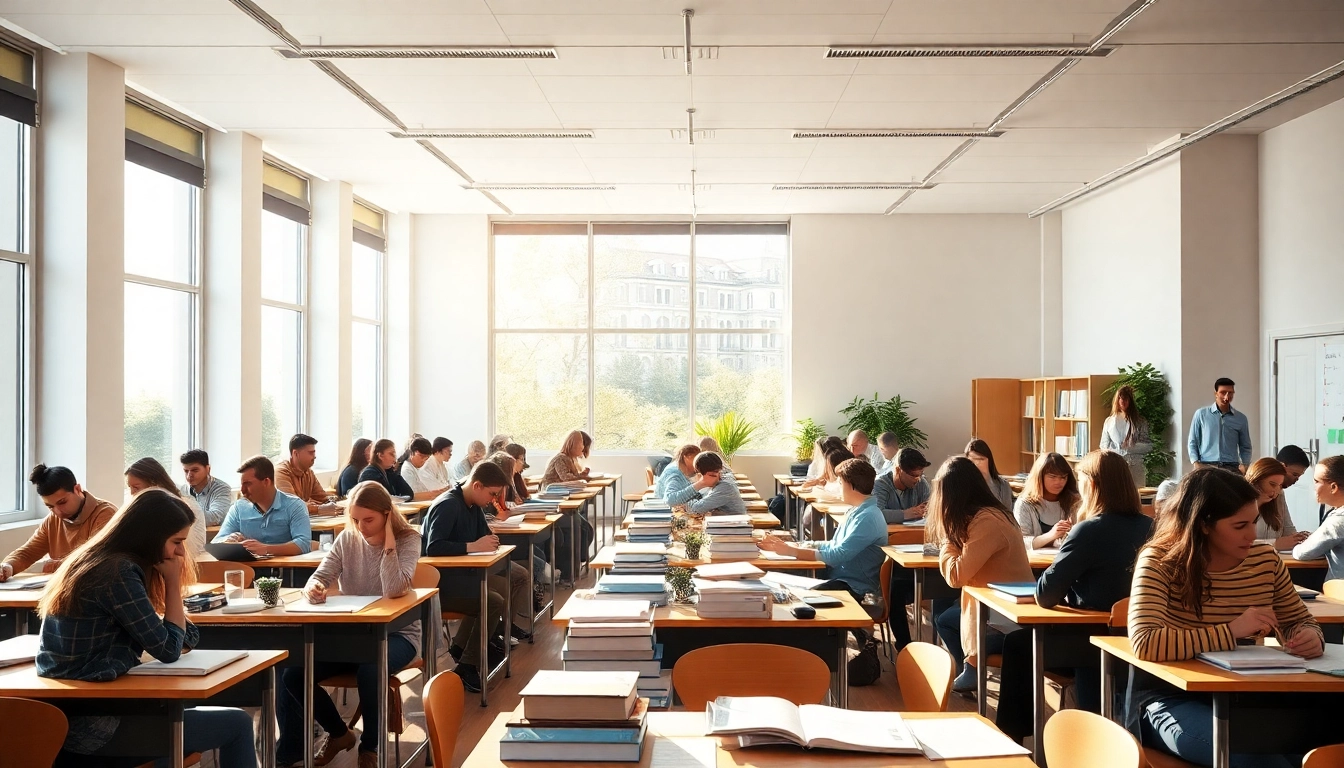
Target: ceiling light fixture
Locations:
point(686, 15)
point(446, 134)
point(272, 25)
point(832, 187)
point(899, 133)
point(318, 52)
point(962, 51)
point(541, 187)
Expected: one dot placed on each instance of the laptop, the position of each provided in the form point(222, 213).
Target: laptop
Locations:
point(232, 552)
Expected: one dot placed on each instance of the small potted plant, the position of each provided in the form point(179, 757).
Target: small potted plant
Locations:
point(680, 523)
point(805, 437)
point(694, 540)
point(682, 585)
point(268, 589)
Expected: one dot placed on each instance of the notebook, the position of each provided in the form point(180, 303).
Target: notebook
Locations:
point(334, 604)
point(17, 583)
point(759, 720)
point(1255, 660)
point(19, 650)
point(1017, 591)
point(196, 663)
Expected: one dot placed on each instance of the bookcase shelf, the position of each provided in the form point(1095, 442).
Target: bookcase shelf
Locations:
point(1026, 416)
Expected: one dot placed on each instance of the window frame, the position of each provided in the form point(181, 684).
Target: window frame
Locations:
point(380, 322)
point(305, 256)
point(25, 437)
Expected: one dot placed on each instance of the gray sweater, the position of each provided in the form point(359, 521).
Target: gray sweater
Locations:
point(1326, 542)
point(359, 569)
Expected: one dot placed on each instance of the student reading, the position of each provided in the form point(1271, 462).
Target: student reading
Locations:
point(361, 453)
point(266, 521)
point(979, 453)
point(382, 470)
point(76, 515)
point(419, 454)
point(376, 554)
point(149, 473)
point(903, 493)
point(564, 468)
point(295, 475)
point(118, 597)
point(212, 495)
point(1275, 526)
point(1049, 499)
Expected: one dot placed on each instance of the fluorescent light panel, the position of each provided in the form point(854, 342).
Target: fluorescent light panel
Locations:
point(962, 51)
point(416, 52)
point(835, 187)
point(431, 134)
point(900, 133)
point(541, 187)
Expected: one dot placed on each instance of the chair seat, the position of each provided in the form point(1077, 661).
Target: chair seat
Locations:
point(349, 679)
point(1158, 759)
point(453, 616)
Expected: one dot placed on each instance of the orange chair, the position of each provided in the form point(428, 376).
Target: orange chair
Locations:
point(883, 628)
point(1120, 614)
point(1325, 757)
point(444, 699)
point(1075, 738)
point(212, 572)
point(43, 727)
point(924, 673)
point(1334, 588)
point(749, 669)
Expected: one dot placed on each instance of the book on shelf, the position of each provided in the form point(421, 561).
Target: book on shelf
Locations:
point(756, 720)
point(1255, 660)
point(1016, 591)
point(642, 667)
point(554, 694)
point(1030, 408)
point(610, 628)
point(589, 611)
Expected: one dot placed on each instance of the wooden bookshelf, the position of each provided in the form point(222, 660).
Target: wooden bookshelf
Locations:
point(1021, 418)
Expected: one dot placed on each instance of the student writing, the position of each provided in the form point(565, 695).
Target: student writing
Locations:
point(266, 521)
point(1274, 526)
point(1044, 511)
point(76, 515)
point(1328, 540)
point(903, 493)
point(418, 455)
point(563, 468)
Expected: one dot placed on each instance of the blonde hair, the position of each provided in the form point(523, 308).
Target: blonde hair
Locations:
point(708, 443)
point(1112, 491)
point(573, 445)
point(371, 495)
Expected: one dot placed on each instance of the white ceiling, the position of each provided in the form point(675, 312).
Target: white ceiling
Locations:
point(1180, 65)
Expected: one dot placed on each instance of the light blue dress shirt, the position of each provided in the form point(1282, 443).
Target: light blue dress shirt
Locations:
point(214, 499)
point(673, 487)
point(1217, 437)
point(286, 521)
point(855, 554)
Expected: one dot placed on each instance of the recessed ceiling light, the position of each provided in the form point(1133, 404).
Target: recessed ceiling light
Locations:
point(900, 133)
point(962, 51)
point(430, 134)
point(416, 52)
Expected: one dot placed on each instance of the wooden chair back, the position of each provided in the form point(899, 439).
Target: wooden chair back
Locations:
point(44, 728)
point(924, 673)
point(1120, 614)
point(1333, 588)
point(1076, 738)
point(426, 576)
point(884, 580)
point(443, 698)
point(1325, 757)
point(648, 477)
point(750, 669)
point(212, 572)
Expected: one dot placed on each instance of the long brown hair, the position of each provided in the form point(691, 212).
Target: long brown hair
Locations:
point(359, 454)
point(1180, 545)
point(371, 495)
point(149, 471)
point(1112, 486)
point(1033, 492)
point(959, 494)
point(1263, 469)
point(981, 447)
point(573, 445)
point(379, 447)
point(1130, 412)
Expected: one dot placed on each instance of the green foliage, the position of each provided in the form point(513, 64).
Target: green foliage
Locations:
point(695, 538)
point(877, 416)
point(806, 435)
point(1152, 396)
point(148, 430)
point(680, 581)
point(731, 431)
point(270, 427)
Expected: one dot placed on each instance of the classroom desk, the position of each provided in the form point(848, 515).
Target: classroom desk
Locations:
point(680, 630)
point(897, 533)
point(525, 533)
point(759, 520)
point(572, 508)
point(690, 726)
point(320, 524)
point(485, 564)
point(608, 482)
point(346, 637)
point(1223, 685)
point(1041, 621)
point(155, 703)
point(23, 603)
point(676, 558)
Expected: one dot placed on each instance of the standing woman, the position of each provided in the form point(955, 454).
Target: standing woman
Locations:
point(149, 473)
point(1045, 509)
point(1328, 540)
point(1274, 526)
point(1126, 433)
point(360, 455)
point(563, 468)
point(978, 452)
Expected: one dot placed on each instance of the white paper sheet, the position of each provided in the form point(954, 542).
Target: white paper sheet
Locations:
point(334, 604)
point(684, 752)
point(961, 738)
point(791, 580)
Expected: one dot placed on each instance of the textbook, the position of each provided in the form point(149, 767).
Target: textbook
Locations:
point(608, 642)
point(195, 663)
point(570, 653)
point(553, 694)
point(20, 649)
point(334, 604)
point(1017, 591)
point(587, 611)
point(716, 571)
point(611, 628)
point(31, 582)
point(757, 720)
point(1255, 660)
point(612, 583)
point(643, 667)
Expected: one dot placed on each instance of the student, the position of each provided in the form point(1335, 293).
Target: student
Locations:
point(212, 495)
point(497, 444)
point(265, 520)
point(456, 525)
point(1295, 464)
point(406, 452)
point(1126, 433)
point(1274, 527)
point(1092, 572)
point(1220, 436)
point(716, 491)
point(887, 446)
point(437, 472)
point(121, 596)
point(859, 445)
point(1166, 490)
point(903, 493)
point(821, 475)
point(411, 471)
point(149, 473)
point(503, 506)
point(818, 464)
point(979, 453)
point(376, 554)
point(563, 468)
point(674, 485)
point(1045, 509)
point(361, 453)
point(518, 492)
point(382, 470)
point(76, 516)
point(708, 443)
point(979, 543)
point(462, 469)
point(1202, 584)
point(829, 491)
point(1328, 540)
point(295, 475)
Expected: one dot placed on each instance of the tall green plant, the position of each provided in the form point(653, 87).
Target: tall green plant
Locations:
point(730, 430)
point(877, 416)
point(807, 434)
point(1152, 396)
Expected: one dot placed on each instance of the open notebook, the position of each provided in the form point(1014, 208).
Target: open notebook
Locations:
point(768, 720)
point(334, 604)
point(192, 663)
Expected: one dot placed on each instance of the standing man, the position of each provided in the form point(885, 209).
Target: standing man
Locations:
point(76, 515)
point(266, 521)
point(211, 494)
point(858, 444)
point(295, 475)
point(1220, 436)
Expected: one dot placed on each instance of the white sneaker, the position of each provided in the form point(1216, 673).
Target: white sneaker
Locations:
point(513, 641)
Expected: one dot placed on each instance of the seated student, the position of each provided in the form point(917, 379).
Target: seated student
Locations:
point(979, 543)
point(382, 470)
point(212, 495)
point(361, 453)
point(1295, 464)
point(979, 453)
point(437, 472)
point(563, 468)
point(265, 520)
point(903, 493)
point(862, 448)
point(420, 453)
point(1274, 527)
point(456, 525)
point(1049, 499)
point(1202, 584)
point(376, 554)
point(708, 443)
point(823, 447)
point(827, 491)
point(497, 444)
point(518, 492)
point(121, 596)
point(295, 475)
point(76, 516)
point(887, 446)
point(406, 452)
point(462, 469)
point(149, 473)
point(1328, 540)
point(674, 485)
point(716, 491)
point(1092, 572)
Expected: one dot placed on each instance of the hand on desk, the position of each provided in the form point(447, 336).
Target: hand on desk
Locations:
point(233, 538)
point(254, 546)
point(484, 544)
point(315, 593)
point(1306, 644)
point(1285, 543)
point(6, 571)
point(916, 512)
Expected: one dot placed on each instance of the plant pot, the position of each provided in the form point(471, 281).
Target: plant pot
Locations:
point(683, 596)
point(268, 589)
point(693, 551)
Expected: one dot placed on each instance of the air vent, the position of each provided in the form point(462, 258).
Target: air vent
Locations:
point(540, 187)
point(963, 51)
point(900, 133)
point(833, 187)
point(415, 52)
point(492, 134)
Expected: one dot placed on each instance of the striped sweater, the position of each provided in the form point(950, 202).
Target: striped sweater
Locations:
point(1161, 629)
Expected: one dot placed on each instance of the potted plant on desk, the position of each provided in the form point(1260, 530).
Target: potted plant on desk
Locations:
point(694, 540)
point(682, 585)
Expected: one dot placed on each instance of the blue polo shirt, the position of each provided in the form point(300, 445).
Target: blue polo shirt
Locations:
point(286, 521)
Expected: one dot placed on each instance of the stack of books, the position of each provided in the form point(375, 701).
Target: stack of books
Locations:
point(536, 509)
point(634, 558)
point(616, 635)
point(733, 599)
point(649, 531)
point(554, 493)
point(578, 717)
point(730, 537)
point(642, 586)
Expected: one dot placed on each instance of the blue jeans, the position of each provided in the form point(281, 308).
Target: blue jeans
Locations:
point(947, 620)
point(290, 700)
point(224, 728)
point(1183, 726)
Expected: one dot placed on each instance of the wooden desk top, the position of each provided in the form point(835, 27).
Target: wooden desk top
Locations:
point(22, 681)
point(690, 726)
point(848, 616)
point(28, 598)
point(1196, 676)
point(759, 520)
point(470, 561)
point(918, 560)
point(676, 558)
point(318, 523)
point(306, 560)
point(1293, 562)
point(1326, 610)
point(380, 612)
point(526, 527)
point(1031, 613)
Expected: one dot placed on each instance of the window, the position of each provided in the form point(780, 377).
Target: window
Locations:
point(164, 174)
point(284, 273)
point(366, 332)
point(571, 362)
point(18, 115)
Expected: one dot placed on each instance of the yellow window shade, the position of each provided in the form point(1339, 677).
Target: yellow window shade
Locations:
point(153, 125)
point(16, 66)
point(367, 216)
point(284, 181)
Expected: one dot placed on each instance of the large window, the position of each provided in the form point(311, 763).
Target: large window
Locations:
point(366, 332)
point(592, 329)
point(17, 116)
point(284, 260)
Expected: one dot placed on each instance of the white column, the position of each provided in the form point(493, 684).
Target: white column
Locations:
point(329, 309)
point(80, 270)
point(1052, 288)
point(232, 301)
point(399, 329)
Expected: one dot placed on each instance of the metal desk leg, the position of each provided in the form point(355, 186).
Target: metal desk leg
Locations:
point(177, 740)
point(431, 623)
point(20, 622)
point(507, 627)
point(554, 567)
point(1222, 750)
point(981, 671)
point(1038, 694)
point(531, 579)
point(484, 622)
point(575, 536)
point(919, 606)
point(309, 683)
point(842, 670)
point(268, 718)
point(384, 674)
point(1107, 694)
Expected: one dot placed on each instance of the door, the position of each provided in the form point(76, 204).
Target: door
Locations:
point(1309, 410)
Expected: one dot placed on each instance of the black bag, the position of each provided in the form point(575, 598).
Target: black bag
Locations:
point(866, 667)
